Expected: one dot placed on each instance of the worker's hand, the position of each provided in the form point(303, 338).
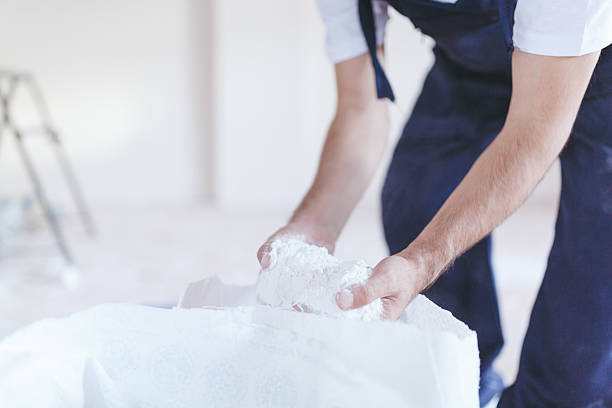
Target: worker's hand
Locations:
point(304, 231)
point(395, 280)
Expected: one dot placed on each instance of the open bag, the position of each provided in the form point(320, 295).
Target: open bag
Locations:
point(220, 349)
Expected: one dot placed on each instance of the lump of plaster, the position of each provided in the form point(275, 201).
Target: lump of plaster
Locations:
point(308, 277)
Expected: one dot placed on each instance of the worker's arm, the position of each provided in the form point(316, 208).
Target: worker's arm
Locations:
point(546, 95)
point(355, 142)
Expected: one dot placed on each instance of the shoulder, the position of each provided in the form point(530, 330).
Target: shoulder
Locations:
point(562, 27)
point(344, 38)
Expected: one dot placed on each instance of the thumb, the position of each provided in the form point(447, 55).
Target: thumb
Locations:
point(360, 295)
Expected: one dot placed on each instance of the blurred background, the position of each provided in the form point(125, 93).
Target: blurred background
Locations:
point(194, 127)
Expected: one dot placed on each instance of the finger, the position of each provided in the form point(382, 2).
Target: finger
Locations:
point(392, 309)
point(301, 308)
point(394, 306)
point(361, 295)
point(263, 255)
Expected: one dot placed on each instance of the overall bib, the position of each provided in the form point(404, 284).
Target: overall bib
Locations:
point(566, 359)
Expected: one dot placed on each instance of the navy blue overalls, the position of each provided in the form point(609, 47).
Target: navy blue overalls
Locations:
point(566, 359)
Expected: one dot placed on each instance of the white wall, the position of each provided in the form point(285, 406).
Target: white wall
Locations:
point(273, 99)
point(125, 82)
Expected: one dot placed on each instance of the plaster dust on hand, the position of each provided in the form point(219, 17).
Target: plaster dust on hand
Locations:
point(307, 277)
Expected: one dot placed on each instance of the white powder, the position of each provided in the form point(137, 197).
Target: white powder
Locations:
point(307, 277)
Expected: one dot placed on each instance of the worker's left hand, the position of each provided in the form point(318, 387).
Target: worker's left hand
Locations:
point(395, 280)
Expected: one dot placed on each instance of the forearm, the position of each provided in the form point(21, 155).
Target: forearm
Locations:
point(496, 185)
point(354, 146)
point(546, 98)
point(352, 151)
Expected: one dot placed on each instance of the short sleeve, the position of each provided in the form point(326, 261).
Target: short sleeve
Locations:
point(344, 38)
point(562, 27)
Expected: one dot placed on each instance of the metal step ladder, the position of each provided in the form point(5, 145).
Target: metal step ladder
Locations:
point(12, 82)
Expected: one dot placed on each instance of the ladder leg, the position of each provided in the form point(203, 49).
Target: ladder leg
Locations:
point(1, 134)
point(75, 189)
point(43, 200)
point(73, 184)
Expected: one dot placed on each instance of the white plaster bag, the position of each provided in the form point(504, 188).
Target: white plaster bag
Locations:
point(239, 356)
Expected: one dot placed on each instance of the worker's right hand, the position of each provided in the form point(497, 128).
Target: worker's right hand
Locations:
point(299, 230)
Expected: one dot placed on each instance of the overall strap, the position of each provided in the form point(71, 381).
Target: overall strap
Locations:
point(506, 16)
point(366, 17)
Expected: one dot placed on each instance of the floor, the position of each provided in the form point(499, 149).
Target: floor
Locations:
point(150, 256)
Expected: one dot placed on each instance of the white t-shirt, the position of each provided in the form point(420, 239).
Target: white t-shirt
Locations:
point(544, 27)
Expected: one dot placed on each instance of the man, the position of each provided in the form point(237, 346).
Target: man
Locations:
point(513, 87)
